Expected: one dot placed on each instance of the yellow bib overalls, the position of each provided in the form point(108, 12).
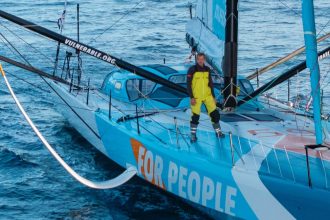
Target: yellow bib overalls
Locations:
point(200, 88)
point(202, 93)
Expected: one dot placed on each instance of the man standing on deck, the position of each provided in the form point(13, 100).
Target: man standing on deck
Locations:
point(201, 91)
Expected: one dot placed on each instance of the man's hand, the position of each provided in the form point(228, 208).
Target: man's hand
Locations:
point(193, 101)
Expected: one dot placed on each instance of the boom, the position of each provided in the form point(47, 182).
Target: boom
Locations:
point(282, 78)
point(92, 51)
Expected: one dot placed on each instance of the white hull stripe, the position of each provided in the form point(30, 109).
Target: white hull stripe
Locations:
point(262, 202)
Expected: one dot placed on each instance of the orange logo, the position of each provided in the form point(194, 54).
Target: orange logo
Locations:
point(149, 165)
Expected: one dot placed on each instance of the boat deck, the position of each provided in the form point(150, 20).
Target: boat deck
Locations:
point(267, 141)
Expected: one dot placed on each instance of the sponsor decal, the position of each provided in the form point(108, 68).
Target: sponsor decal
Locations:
point(219, 19)
point(186, 183)
point(326, 54)
point(90, 51)
point(220, 15)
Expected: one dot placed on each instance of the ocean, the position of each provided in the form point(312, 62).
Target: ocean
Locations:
point(32, 183)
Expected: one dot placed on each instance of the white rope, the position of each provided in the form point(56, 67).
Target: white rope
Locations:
point(118, 181)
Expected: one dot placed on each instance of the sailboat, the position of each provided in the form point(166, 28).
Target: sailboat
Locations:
point(273, 162)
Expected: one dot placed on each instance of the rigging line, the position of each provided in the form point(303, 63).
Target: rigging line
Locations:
point(322, 86)
point(284, 76)
point(54, 102)
point(289, 110)
point(88, 126)
point(115, 107)
point(155, 136)
point(158, 123)
point(26, 29)
point(103, 56)
point(48, 84)
point(298, 156)
point(11, 49)
point(60, 23)
point(183, 137)
point(148, 116)
point(170, 10)
point(123, 111)
point(154, 106)
point(30, 45)
point(16, 35)
point(142, 126)
point(288, 7)
point(36, 71)
point(284, 59)
point(305, 110)
point(322, 29)
point(31, 84)
point(21, 55)
point(299, 15)
point(42, 78)
point(58, 103)
point(202, 23)
point(115, 23)
point(128, 174)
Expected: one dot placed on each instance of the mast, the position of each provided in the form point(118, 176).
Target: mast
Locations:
point(230, 56)
point(312, 64)
point(92, 52)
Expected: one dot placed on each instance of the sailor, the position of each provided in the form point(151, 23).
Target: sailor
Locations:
point(201, 91)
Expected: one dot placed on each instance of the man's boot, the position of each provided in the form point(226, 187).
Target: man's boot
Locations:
point(218, 131)
point(193, 130)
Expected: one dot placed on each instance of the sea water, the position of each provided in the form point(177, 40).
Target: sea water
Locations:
point(32, 184)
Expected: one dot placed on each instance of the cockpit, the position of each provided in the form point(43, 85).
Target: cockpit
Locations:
point(128, 87)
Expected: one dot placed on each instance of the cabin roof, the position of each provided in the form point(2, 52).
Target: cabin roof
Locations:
point(162, 69)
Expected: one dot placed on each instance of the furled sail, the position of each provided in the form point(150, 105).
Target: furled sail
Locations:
point(206, 31)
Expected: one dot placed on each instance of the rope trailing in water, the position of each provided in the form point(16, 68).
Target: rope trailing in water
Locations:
point(109, 184)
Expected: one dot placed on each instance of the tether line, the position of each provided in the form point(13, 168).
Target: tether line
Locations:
point(128, 174)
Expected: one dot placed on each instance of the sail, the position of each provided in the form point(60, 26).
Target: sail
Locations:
point(206, 31)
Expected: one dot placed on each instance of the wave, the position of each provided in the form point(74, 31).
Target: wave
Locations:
point(11, 159)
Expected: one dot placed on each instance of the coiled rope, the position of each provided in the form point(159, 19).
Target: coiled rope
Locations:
point(109, 184)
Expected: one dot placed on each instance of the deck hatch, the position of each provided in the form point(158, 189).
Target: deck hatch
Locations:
point(233, 118)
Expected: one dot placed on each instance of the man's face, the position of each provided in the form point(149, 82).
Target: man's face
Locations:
point(201, 60)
